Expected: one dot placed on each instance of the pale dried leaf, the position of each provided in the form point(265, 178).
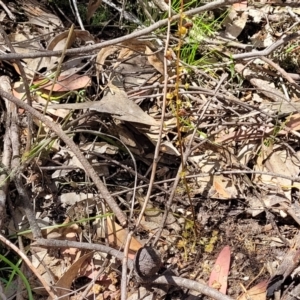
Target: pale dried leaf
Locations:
point(168, 147)
point(100, 147)
point(40, 16)
point(265, 86)
point(58, 42)
point(154, 217)
point(117, 236)
point(102, 55)
point(72, 198)
point(269, 201)
point(241, 6)
point(220, 187)
point(28, 44)
point(279, 162)
point(258, 292)
point(115, 102)
point(223, 188)
point(235, 23)
point(64, 283)
point(292, 122)
point(154, 60)
point(256, 14)
point(262, 39)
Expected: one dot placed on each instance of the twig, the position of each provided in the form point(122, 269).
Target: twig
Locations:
point(57, 73)
point(142, 3)
point(128, 169)
point(26, 205)
point(29, 264)
point(9, 13)
point(295, 179)
point(163, 6)
point(77, 15)
point(13, 129)
point(283, 40)
point(26, 86)
point(61, 12)
point(128, 16)
point(122, 12)
point(136, 34)
point(7, 154)
point(166, 280)
point(281, 71)
point(87, 166)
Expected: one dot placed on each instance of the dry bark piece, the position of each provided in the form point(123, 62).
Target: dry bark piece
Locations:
point(147, 262)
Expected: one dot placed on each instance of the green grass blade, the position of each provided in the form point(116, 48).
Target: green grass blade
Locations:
point(20, 273)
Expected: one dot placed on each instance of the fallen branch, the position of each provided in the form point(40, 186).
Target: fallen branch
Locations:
point(133, 35)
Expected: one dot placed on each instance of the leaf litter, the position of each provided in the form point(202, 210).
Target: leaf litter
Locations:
point(234, 216)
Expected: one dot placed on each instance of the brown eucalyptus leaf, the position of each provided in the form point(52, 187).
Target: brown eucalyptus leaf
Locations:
point(117, 236)
point(64, 283)
point(154, 60)
point(116, 103)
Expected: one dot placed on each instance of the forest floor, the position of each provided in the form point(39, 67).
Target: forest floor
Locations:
point(150, 151)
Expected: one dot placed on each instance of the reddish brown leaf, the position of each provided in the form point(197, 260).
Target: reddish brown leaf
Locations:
point(71, 83)
point(219, 274)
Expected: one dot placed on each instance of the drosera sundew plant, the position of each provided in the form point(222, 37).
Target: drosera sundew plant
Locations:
point(176, 105)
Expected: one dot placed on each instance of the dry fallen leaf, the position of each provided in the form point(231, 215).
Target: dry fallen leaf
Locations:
point(134, 57)
point(154, 60)
point(116, 103)
point(68, 83)
point(101, 57)
point(63, 285)
point(25, 44)
point(257, 292)
point(117, 236)
point(240, 6)
point(59, 40)
point(235, 23)
point(219, 274)
point(220, 187)
point(280, 162)
point(56, 265)
point(292, 122)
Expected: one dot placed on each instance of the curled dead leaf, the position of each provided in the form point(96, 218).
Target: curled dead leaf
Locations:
point(117, 236)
